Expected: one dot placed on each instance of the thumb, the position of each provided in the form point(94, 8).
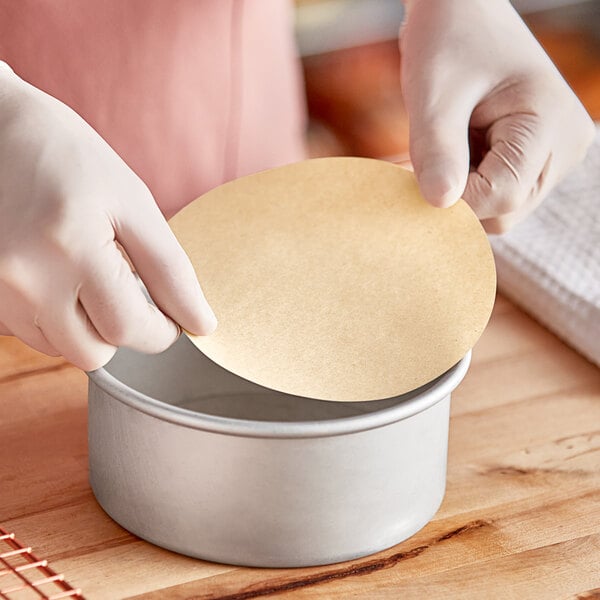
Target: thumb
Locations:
point(439, 148)
point(164, 267)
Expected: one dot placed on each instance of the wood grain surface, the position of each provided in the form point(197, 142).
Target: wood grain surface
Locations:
point(521, 517)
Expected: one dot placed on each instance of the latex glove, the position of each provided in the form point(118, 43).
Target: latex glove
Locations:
point(66, 198)
point(491, 119)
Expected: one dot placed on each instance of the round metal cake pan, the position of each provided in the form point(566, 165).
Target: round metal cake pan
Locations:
point(192, 458)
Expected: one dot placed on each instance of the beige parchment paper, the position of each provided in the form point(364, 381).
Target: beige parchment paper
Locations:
point(333, 279)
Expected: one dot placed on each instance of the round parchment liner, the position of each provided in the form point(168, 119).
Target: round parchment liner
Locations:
point(333, 279)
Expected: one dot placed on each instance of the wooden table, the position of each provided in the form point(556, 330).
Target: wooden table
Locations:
point(521, 517)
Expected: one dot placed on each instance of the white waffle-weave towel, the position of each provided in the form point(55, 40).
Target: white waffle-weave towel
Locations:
point(550, 263)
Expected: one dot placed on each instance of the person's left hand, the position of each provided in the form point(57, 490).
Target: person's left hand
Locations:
point(491, 119)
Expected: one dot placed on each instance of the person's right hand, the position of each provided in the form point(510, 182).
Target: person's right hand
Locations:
point(66, 199)
point(491, 118)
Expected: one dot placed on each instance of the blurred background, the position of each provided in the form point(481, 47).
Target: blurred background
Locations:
point(352, 67)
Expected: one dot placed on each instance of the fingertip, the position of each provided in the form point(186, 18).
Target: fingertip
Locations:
point(209, 321)
point(93, 361)
point(439, 188)
point(439, 151)
point(174, 331)
point(203, 322)
point(211, 324)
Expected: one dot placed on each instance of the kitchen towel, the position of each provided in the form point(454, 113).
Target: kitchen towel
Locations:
point(550, 263)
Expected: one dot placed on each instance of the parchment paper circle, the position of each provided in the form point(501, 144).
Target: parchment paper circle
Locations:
point(333, 279)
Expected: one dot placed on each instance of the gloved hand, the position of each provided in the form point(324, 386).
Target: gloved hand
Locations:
point(491, 119)
point(66, 199)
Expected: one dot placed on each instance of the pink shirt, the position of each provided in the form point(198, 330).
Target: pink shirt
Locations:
point(190, 93)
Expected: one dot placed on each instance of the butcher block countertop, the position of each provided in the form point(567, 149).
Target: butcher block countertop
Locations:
point(521, 517)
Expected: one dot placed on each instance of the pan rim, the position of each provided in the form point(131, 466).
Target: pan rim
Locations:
point(121, 392)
